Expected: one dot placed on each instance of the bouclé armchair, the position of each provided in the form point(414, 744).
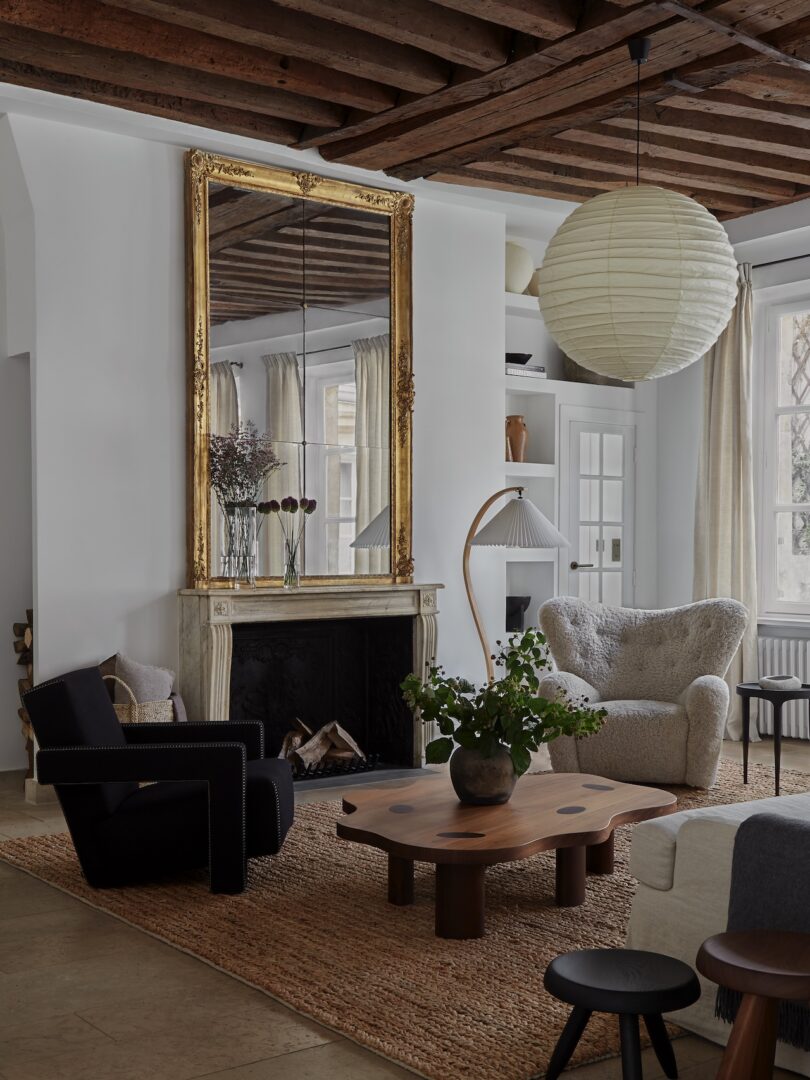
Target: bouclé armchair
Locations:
point(659, 677)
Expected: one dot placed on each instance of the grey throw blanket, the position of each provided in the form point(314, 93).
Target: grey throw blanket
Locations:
point(770, 884)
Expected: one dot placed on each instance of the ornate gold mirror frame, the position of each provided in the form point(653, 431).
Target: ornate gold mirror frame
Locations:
point(203, 169)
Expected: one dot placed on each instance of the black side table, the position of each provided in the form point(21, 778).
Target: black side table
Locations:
point(777, 698)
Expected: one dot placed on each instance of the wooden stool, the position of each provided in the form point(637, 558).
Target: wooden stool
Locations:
point(766, 967)
point(626, 982)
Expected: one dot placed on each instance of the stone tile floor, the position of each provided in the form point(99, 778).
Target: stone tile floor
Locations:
point(83, 995)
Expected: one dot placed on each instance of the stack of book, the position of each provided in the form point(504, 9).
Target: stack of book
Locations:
point(531, 371)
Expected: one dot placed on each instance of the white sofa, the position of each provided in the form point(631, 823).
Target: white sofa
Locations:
point(659, 677)
point(683, 866)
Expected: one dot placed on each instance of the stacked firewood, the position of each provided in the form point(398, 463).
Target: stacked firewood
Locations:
point(24, 648)
point(306, 749)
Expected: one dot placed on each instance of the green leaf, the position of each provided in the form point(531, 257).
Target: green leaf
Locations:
point(521, 759)
point(438, 751)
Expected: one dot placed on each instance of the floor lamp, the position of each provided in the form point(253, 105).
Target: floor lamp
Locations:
point(519, 524)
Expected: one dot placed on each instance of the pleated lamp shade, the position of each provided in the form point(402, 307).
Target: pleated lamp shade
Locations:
point(638, 283)
point(377, 534)
point(519, 524)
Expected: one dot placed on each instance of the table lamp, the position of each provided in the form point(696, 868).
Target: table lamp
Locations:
point(519, 524)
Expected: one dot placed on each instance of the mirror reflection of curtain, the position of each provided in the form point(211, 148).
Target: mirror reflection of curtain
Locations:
point(223, 417)
point(285, 424)
point(372, 375)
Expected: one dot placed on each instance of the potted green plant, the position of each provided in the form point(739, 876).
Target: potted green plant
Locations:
point(488, 732)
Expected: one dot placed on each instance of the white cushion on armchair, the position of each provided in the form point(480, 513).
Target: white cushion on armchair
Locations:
point(658, 674)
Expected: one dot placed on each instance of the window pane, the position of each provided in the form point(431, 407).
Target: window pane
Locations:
point(612, 500)
point(612, 589)
point(612, 548)
point(794, 359)
point(613, 455)
point(793, 458)
point(589, 586)
point(793, 557)
point(589, 544)
point(589, 500)
point(589, 453)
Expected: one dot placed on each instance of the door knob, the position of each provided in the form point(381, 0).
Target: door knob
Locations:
point(580, 565)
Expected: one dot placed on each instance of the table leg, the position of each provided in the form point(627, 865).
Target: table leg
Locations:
point(570, 876)
point(777, 740)
point(599, 857)
point(746, 734)
point(460, 900)
point(400, 881)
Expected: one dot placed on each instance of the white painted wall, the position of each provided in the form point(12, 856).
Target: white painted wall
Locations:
point(108, 392)
point(458, 274)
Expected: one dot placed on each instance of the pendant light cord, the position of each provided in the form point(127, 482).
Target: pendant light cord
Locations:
point(638, 121)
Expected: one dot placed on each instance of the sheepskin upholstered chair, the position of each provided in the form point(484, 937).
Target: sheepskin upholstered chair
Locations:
point(658, 675)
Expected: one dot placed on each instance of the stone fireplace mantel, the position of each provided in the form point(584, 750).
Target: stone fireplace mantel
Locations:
point(207, 617)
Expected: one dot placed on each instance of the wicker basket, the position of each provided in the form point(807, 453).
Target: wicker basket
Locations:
point(145, 712)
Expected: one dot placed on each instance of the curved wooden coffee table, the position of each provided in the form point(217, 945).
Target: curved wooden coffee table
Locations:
point(422, 820)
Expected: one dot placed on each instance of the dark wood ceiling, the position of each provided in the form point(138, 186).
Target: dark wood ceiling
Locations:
point(535, 96)
point(269, 254)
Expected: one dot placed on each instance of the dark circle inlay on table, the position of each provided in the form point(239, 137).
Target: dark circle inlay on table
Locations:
point(461, 835)
point(571, 810)
point(400, 808)
point(599, 787)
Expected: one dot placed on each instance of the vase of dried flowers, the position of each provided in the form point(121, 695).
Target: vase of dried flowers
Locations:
point(239, 464)
point(292, 528)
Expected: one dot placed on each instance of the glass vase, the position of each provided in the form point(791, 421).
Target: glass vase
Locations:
point(239, 559)
point(292, 573)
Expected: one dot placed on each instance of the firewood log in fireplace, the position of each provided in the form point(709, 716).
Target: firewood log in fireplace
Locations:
point(306, 749)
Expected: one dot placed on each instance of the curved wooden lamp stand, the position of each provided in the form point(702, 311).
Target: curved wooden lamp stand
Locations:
point(465, 564)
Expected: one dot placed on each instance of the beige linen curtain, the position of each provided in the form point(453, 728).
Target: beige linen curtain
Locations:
point(223, 416)
point(372, 367)
point(285, 424)
point(725, 539)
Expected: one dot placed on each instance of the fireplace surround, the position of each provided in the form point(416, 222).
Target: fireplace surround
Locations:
point(337, 652)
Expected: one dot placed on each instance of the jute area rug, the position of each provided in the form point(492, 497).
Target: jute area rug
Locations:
point(315, 932)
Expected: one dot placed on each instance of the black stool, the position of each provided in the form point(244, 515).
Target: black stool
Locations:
point(629, 983)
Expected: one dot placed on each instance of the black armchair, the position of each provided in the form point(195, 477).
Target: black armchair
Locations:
point(217, 800)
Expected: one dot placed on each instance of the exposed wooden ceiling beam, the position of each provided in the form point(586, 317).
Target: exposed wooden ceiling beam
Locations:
point(720, 26)
point(237, 121)
point(459, 39)
point(667, 146)
point(596, 178)
point(773, 83)
point(725, 103)
point(127, 69)
point(652, 168)
point(255, 22)
point(549, 19)
point(99, 24)
point(469, 177)
point(726, 131)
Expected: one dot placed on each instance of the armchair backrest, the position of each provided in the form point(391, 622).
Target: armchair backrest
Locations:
point(628, 653)
point(75, 710)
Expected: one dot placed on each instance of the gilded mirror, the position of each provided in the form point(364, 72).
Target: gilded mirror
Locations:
point(299, 365)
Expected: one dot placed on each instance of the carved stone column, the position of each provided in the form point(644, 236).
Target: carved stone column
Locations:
point(218, 671)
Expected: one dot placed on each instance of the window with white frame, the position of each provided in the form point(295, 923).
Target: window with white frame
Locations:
point(784, 525)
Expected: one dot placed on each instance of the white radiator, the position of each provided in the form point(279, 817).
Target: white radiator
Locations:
point(786, 656)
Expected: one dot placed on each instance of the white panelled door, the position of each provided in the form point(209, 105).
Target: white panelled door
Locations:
point(597, 496)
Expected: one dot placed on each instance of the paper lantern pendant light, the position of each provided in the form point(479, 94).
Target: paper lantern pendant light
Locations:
point(638, 283)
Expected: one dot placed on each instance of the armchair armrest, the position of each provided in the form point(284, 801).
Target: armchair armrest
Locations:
point(559, 684)
point(249, 732)
point(706, 703)
point(222, 765)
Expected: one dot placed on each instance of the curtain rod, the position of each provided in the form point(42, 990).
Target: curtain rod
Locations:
point(777, 262)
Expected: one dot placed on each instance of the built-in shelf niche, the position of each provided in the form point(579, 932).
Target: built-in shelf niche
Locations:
point(540, 489)
point(533, 577)
point(540, 414)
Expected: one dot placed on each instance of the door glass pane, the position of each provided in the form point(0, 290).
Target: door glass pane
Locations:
point(589, 585)
point(589, 500)
point(612, 589)
point(793, 458)
point(794, 359)
point(612, 500)
point(589, 453)
point(793, 557)
point(612, 546)
point(613, 455)
point(589, 544)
